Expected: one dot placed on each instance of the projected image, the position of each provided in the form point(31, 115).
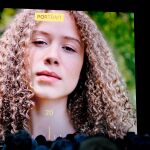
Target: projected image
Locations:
point(67, 72)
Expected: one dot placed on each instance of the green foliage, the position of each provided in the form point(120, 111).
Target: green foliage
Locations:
point(5, 17)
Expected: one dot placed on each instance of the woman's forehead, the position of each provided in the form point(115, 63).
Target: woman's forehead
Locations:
point(54, 24)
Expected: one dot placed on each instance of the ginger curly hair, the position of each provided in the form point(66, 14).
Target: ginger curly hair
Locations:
point(99, 103)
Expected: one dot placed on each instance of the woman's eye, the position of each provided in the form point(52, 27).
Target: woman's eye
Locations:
point(39, 43)
point(68, 49)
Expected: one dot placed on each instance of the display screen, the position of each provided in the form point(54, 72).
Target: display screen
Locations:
point(67, 72)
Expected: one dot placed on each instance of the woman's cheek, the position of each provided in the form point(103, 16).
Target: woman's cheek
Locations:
point(73, 69)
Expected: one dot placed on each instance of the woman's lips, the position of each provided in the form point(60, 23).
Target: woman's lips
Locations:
point(48, 76)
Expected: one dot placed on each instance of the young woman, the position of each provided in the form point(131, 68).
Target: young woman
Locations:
point(57, 78)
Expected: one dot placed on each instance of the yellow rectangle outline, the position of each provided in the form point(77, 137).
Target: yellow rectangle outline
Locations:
point(52, 17)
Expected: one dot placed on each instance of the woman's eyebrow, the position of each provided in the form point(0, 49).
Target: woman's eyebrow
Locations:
point(72, 39)
point(40, 32)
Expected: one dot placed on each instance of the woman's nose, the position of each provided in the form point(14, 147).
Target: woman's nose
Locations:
point(51, 56)
point(51, 60)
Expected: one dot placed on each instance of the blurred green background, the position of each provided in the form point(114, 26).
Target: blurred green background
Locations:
point(118, 30)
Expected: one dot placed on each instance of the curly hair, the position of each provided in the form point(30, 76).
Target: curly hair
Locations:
point(99, 103)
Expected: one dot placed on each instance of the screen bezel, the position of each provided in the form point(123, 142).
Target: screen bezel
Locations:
point(142, 78)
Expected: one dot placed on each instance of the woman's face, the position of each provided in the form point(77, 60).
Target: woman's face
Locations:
point(56, 57)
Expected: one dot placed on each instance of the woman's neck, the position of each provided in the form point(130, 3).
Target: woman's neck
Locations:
point(51, 119)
